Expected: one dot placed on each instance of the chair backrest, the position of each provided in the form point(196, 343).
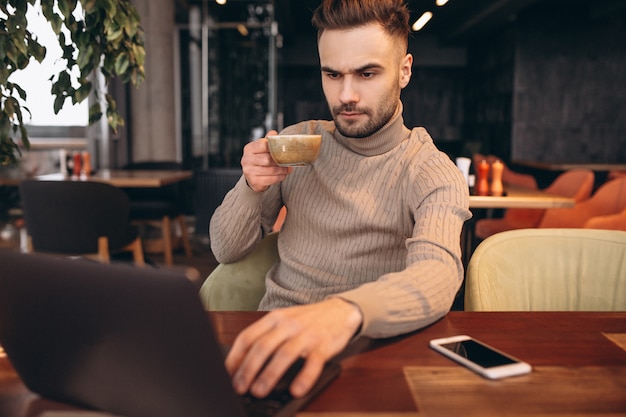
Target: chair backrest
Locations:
point(68, 217)
point(610, 222)
point(575, 183)
point(239, 286)
point(610, 198)
point(548, 270)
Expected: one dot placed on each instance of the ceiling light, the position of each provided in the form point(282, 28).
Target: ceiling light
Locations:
point(441, 2)
point(421, 22)
point(222, 2)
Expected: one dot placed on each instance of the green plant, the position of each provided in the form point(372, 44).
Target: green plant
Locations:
point(100, 35)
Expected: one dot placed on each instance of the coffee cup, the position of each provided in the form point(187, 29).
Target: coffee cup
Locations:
point(294, 150)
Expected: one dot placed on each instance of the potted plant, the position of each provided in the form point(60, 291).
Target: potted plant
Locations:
point(95, 35)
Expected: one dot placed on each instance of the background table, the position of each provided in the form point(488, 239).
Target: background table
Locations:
point(126, 178)
point(578, 364)
point(519, 197)
point(117, 177)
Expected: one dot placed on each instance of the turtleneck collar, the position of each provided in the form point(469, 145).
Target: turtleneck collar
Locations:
point(387, 138)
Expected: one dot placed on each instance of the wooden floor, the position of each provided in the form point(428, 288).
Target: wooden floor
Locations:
point(202, 260)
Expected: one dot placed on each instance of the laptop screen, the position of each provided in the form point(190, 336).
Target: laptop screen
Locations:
point(132, 341)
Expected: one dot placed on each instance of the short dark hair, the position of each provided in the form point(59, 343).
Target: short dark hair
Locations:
point(392, 15)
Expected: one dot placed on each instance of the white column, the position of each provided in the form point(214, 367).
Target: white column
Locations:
point(153, 105)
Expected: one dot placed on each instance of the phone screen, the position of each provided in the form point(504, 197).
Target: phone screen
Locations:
point(478, 353)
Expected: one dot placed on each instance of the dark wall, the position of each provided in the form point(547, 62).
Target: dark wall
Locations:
point(570, 87)
point(434, 99)
point(489, 95)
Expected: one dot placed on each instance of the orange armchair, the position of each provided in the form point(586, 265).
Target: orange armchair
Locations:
point(612, 222)
point(609, 199)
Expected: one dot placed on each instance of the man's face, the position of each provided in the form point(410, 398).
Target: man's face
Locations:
point(363, 71)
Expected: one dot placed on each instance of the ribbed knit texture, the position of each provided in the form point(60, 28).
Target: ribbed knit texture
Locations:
point(375, 221)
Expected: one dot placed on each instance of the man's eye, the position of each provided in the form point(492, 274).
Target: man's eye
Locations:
point(332, 75)
point(367, 74)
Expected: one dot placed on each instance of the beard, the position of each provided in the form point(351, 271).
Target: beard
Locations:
point(376, 118)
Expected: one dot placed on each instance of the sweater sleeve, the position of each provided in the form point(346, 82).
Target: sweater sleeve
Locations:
point(423, 292)
point(243, 218)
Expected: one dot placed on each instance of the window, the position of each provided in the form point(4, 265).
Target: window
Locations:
point(35, 80)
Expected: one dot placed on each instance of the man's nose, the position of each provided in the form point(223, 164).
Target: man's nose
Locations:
point(348, 92)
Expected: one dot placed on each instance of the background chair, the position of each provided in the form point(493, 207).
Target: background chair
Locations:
point(239, 286)
point(610, 222)
point(548, 270)
point(609, 199)
point(576, 183)
point(161, 207)
point(79, 218)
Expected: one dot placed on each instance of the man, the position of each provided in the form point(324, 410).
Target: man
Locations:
point(370, 245)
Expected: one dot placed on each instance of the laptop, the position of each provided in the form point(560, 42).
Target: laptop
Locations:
point(130, 341)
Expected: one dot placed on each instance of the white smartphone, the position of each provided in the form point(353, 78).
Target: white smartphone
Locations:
point(480, 357)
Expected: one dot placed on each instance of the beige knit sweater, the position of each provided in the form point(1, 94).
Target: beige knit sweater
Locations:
point(375, 221)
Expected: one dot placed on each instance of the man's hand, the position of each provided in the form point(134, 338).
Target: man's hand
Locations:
point(316, 332)
point(258, 166)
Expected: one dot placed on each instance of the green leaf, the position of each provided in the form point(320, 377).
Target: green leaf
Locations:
point(57, 23)
point(20, 91)
point(11, 52)
point(115, 33)
point(8, 107)
point(62, 84)
point(111, 8)
point(36, 50)
point(112, 105)
point(58, 103)
point(66, 7)
point(82, 92)
point(20, 47)
point(84, 57)
point(121, 64)
point(139, 53)
point(18, 111)
point(89, 6)
point(94, 113)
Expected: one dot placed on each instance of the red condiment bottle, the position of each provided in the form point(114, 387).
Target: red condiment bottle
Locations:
point(77, 164)
point(482, 186)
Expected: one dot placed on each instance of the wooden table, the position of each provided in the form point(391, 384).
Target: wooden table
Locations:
point(118, 177)
point(124, 178)
point(520, 197)
point(578, 359)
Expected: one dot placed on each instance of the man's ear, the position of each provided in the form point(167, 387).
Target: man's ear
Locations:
point(405, 70)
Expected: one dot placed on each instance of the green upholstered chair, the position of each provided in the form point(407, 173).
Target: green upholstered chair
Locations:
point(548, 270)
point(239, 286)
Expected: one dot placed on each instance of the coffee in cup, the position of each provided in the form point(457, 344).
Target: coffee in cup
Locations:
point(294, 150)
